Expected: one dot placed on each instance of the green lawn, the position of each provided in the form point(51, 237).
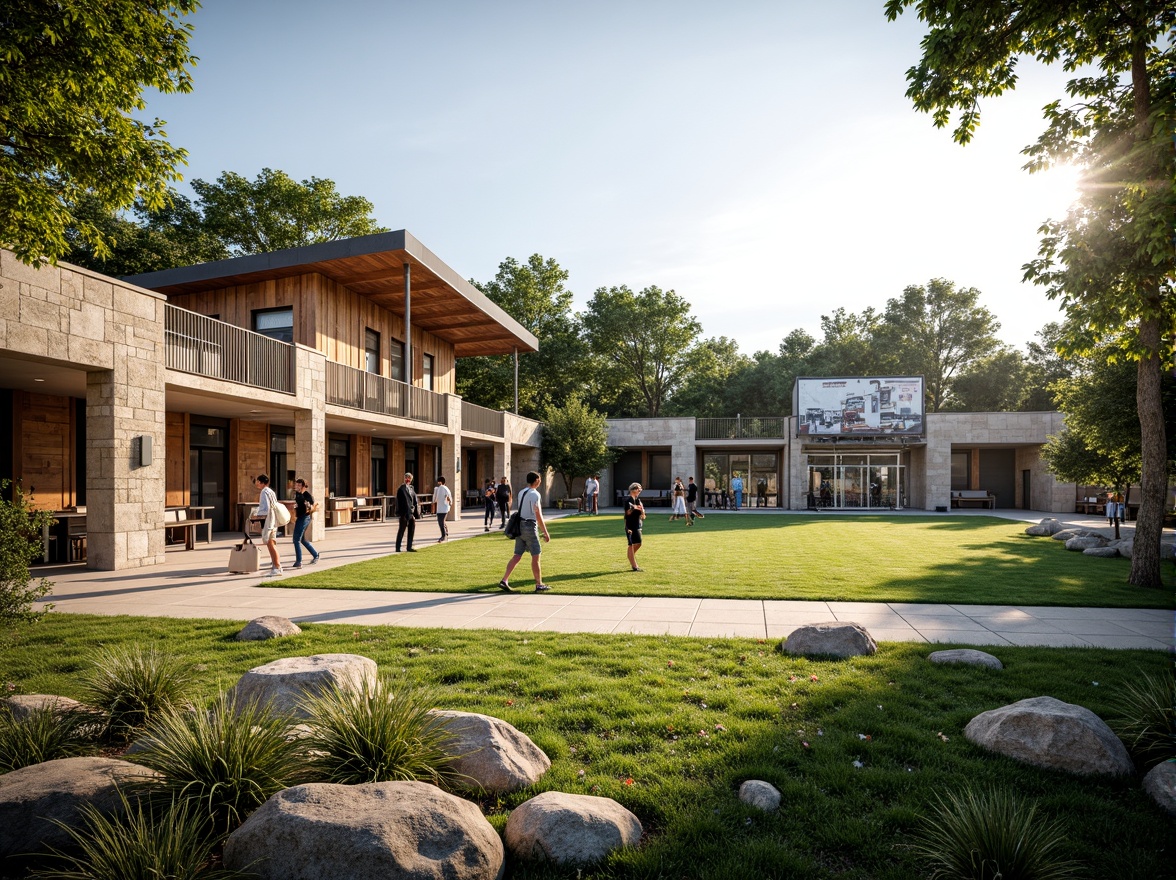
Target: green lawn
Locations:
point(671, 726)
point(963, 560)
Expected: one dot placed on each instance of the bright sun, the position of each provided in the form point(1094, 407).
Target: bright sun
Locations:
point(1058, 185)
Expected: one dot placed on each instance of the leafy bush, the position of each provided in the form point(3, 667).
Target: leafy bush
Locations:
point(992, 835)
point(379, 733)
point(226, 761)
point(1145, 717)
point(130, 685)
point(142, 842)
point(20, 544)
point(44, 734)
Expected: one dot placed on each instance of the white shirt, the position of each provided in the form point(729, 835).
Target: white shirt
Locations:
point(528, 501)
point(591, 487)
point(441, 496)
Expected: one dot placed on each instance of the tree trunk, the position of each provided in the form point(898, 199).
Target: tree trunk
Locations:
point(1149, 526)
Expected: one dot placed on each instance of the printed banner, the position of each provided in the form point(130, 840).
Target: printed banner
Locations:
point(859, 406)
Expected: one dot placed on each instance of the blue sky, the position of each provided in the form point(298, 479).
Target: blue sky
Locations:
point(759, 158)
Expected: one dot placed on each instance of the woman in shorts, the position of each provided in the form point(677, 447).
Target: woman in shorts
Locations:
point(634, 517)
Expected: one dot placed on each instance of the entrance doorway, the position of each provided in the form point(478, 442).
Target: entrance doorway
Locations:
point(208, 471)
point(872, 481)
point(760, 472)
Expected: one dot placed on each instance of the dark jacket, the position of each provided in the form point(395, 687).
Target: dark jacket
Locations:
point(406, 502)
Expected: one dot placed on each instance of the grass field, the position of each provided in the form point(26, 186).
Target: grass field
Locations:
point(670, 727)
point(963, 560)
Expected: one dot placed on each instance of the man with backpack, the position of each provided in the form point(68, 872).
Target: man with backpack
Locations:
point(531, 522)
point(503, 498)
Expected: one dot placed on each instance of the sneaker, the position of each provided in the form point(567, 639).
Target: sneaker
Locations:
point(275, 572)
point(541, 588)
point(316, 559)
point(411, 550)
point(635, 568)
point(486, 529)
point(296, 565)
point(503, 585)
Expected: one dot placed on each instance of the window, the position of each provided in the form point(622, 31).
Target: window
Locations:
point(275, 323)
point(396, 355)
point(339, 465)
point(961, 470)
point(427, 372)
point(371, 347)
point(379, 467)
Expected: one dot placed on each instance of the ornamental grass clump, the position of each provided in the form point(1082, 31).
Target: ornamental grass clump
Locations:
point(142, 841)
point(44, 734)
point(130, 685)
point(225, 761)
point(380, 733)
point(1144, 717)
point(991, 835)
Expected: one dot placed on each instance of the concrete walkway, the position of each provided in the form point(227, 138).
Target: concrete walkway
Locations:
point(195, 584)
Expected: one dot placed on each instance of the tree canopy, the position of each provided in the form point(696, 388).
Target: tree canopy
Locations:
point(72, 74)
point(1110, 261)
point(575, 441)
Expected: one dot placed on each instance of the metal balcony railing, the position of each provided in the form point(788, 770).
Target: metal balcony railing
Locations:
point(741, 428)
point(359, 389)
point(481, 420)
point(207, 347)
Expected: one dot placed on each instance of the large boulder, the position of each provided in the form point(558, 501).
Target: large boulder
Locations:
point(1046, 732)
point(1160, 783)
point(1067, 534)
point(374, 831)
point(1102, 552)
point(268, 627)
point(967, 656)
point(570, 829)
point(1046, 527)
point(492, 754)
point(287, 683)
point(1086, 542)
point(761, 795)
point(34, 799)
point(833, 639)
point(21, 706)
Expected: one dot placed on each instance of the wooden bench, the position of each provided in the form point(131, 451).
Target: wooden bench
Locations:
point(177, 519)
point(364, 512)
point(977, 497)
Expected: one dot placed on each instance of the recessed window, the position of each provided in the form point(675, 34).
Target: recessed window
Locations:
point(275, 323)
point(427, 372)
point(371, 351)
point(396, 355)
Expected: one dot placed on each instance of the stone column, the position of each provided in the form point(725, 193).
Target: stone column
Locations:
point(310, 432)
point(125, 411)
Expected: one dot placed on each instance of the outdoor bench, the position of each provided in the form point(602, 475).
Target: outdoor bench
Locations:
point(178, 520)
point(977, 497)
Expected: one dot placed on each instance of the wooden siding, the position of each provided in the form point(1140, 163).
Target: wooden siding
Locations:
point(43, 448)
point(328, 317)
point(178, 489)
point(249, 444)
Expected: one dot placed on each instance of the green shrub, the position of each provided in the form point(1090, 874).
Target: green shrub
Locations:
point(142, 842)
point(130, 685)
point(991, 835)
point(227, 761)
point(382, 732)
point(20, 544)
point(44, 734)
point(1144, 717)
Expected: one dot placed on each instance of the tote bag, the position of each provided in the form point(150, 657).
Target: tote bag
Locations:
point(281, 512)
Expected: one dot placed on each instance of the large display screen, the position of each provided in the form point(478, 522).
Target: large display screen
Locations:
point(859, 406)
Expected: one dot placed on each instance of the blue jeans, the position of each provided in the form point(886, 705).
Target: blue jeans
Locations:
point(300, 526)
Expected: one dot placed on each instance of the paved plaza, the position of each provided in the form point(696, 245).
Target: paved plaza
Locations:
point(195, 583)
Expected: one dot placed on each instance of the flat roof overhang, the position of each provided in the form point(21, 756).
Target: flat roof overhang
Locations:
point(443, 303)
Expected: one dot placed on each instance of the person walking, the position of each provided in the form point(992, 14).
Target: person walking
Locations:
point(737, 488)
point(692, 500)
point(266, 502)
point(503, 496)
point(304, 506)
point(679, 500)
point(441, 504)
point(634, 517)
point(531, 516)
point(591, 494)
point(408, 510)
point(489, 499)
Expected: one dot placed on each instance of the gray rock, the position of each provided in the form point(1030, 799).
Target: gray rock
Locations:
point(834, 639)
point(1046, 527)
point(1103, 552)
point(33, 799)
point(1067, 534)
point(761, 795)
point(284, 684)
point(1160, 783)
point(494, 755)
point(21, 706)
point(1046, 732)
point(1126, 546)
point(570, 829)
point(968, 656)
point(268, 627)
point(1086, 542)
point(375, 831)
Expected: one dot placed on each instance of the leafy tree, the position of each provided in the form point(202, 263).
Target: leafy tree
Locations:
point(715, 365)
point(20, 544)
point(275, 212)
point(72, 74)
point(936, 331)
point(575, 441)
point(1110, 261)
point(645, 340)
point(1044, 367)
point(535, 295)
point(995, 383)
